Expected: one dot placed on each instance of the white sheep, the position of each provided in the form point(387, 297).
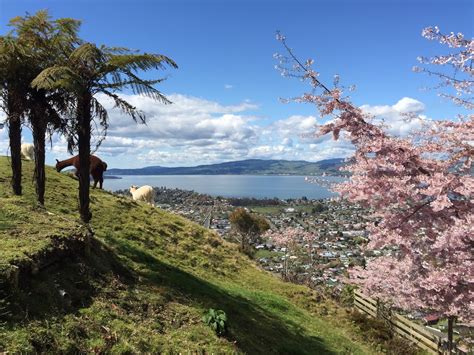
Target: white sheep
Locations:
point(28, 151)
point(145, 193)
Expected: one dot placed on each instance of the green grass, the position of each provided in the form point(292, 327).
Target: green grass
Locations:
point(149, 278)
point(275, 210)
point(266, 209)
point(25, 229)
point(4, 221)
point(263, 253)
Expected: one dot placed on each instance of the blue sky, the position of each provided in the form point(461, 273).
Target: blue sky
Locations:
point(226, 90)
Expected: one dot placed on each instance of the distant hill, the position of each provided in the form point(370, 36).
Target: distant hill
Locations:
point(243, 167)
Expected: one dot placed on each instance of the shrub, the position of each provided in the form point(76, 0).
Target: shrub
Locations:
point(372, 327)
point(397, 345)
point(346, 297)
point(217, 320)
point(378, 331)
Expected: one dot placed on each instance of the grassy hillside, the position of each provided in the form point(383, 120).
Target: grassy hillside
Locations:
point(145, 284)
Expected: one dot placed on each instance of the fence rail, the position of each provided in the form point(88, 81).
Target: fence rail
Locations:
point(404, 327)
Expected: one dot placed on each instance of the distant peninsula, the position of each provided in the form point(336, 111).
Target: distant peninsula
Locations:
point(244, 167)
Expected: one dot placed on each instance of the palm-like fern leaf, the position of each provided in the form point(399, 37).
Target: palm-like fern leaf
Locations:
point(136, 62)
point(87, 54)
point(58, 77)
point(126, 107)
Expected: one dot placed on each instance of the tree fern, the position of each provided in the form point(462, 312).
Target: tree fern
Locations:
point(90, 70)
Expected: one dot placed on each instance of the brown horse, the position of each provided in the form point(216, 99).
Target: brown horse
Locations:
point(97, 168)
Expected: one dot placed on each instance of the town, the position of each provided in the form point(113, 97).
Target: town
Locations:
point(338, 227)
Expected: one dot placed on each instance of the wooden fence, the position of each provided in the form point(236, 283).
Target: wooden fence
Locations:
point(421, 336)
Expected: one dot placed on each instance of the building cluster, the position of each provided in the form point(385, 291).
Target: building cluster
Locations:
point(211, 212)
point(339, 230)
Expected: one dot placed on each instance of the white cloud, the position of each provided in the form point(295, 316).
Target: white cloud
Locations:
point(294, 125)
point(228, 86)
point(401, 118)
point(190, 131)
point(407, 104)
point(287, 142)
point(195, 131)
point(294, 138)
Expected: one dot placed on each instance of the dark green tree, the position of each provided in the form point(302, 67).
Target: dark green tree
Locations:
point(14, 83)
point(90, 70)
point(46, 43)
point(248, 225)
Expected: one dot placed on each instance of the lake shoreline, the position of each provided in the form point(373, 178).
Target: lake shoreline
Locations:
point(238, 186)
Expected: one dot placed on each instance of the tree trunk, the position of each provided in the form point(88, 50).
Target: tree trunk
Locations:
point(450, 334)
point(38, 123)
point(84, 140)
point(14, 133)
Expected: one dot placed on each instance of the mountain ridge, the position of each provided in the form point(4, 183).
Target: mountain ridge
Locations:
point(243, 167)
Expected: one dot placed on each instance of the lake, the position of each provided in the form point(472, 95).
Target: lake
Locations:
point(282, 187)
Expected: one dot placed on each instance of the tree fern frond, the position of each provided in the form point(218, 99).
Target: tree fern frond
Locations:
point(124, 83)
point(126, 107)
point(87, 53)
point(11, 48)
point(99, 112)
point(145, 88)
point(60, 77)
point(55, 120)
point(111, 51)
point(68, 26)
point(136, 62)
point(101, 121)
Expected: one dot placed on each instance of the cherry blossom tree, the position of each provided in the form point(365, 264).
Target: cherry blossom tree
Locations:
point(291, 239)
point(309, 238)
point(419, 188)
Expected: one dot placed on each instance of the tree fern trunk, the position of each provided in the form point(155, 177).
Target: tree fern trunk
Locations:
point(84, 140)
point(39, 133)
point(14, 133)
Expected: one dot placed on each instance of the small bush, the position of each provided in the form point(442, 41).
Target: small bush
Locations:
point(397, 345)
point(346, 296)
point(378, 331)
point(214, 242)
point(217, 320)
point(374, 328)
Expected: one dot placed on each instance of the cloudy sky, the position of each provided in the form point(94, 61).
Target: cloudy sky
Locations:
point(226, 91)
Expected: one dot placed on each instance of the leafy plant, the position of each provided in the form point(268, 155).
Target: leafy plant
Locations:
point(217, 320)
point(249, 226)
point(346, 296)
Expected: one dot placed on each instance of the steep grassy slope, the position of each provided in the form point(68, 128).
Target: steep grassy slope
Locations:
point(145, 284)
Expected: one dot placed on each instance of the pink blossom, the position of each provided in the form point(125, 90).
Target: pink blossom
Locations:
point(420, 190)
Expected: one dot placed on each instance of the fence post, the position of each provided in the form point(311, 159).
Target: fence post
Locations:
point(384, 313)
point(450, 333)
